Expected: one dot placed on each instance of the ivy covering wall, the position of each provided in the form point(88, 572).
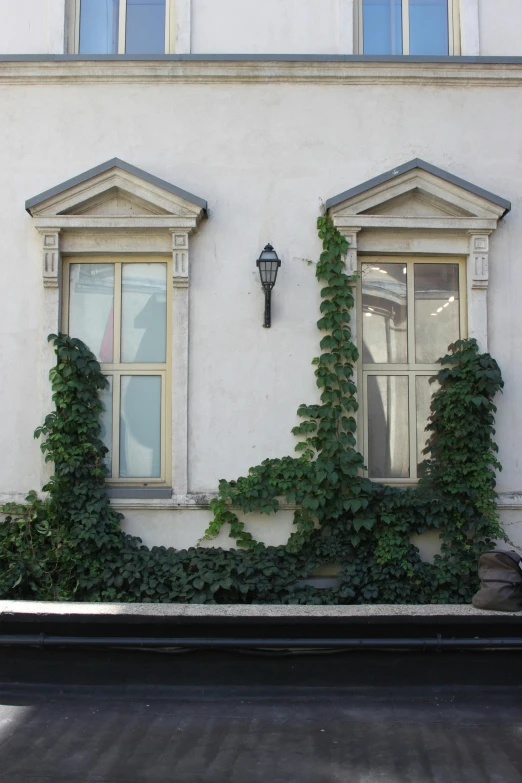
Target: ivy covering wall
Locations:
point(70, 546)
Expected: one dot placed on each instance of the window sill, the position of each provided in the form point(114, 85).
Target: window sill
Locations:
point(139, 493)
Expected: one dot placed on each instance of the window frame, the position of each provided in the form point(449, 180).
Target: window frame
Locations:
point(411, 370)
point(454, 44)
point(117, 370)
point(170, 26)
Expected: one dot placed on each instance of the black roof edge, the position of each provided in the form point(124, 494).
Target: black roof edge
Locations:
point(101, 169)
point(417, 163)
point(333, 58)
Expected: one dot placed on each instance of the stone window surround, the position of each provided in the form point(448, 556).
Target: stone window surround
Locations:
point(178, 17)
point(467, 12)
point(420, 210)
point(348, 11)
point(453, 26)
point(67, 226)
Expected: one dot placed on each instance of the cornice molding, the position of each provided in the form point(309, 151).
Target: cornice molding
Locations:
point(468, 72)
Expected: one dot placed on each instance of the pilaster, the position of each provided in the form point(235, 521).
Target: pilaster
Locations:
point(180, 348)
point(183, 26)
point(477, 287)
point(51, 277)
point(352, 269)
point(346, 16)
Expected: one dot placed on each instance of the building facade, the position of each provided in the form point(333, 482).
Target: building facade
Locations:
point(150, 150)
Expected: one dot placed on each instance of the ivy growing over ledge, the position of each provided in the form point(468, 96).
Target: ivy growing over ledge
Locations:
point(71, 546)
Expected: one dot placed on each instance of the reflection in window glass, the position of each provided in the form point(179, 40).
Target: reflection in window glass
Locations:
point(437, 317)
point(99, 26)
point(91, 307)
point(429, 32)
point(106, 422)
point(385, 316)
point(145, 27)
point(382, 26)
point(388, 430)
point(143, 313)
point(140, 426)
point(424, 392)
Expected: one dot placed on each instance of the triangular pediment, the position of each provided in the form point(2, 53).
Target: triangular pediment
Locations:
point(417, 203)
point(418, 190)
point(117, 190)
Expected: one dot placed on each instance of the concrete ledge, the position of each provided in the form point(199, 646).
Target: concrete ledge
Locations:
point(49, 610)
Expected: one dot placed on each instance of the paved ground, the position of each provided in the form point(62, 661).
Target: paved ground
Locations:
point(246, 735)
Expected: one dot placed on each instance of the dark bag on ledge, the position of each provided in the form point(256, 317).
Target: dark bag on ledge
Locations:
point(501, 579)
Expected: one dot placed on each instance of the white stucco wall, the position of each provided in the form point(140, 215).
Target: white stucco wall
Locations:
point(500, 27)
point(263, 155)
point(32, 26)
point(271, 26)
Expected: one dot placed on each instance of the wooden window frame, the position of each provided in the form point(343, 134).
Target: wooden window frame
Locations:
point(411, 370)
point(454, 45)
point(117, 369)
point(74, 26)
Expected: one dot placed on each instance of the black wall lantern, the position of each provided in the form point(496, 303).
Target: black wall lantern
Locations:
point(268, 263)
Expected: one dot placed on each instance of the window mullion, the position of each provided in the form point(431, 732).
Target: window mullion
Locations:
point(75, 27)
point(116, 394)
point(410, 269)
point(170, 26)
point(366, 422)
point(412, 411)
point(122, 26)
point(463, 300)
point(163, 415)
point(405, 26)
point(117, 313)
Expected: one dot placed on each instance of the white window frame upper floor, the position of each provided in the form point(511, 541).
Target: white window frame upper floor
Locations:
point(418, 213)
point(118, 214)
point(454, 27)
point(177, 26)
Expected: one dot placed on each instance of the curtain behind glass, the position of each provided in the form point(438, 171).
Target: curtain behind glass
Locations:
point(99, 26)
point(145, 28)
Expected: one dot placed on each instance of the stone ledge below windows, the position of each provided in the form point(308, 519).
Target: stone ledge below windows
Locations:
point(268, 69)
point(141, 493)
point(507, 501)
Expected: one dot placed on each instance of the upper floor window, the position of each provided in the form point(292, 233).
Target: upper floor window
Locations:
point(408, 27)
point(124, 26)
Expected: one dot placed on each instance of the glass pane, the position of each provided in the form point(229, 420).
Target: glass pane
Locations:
point(388, 431)
point(91, 307)
point(382, 26)
point(145, 33)
point(143, 312)
point(106, 422)
point(385, 313)
point(429, 33)
point(140, 426)
point(437, 316)
point(424, 392)
point(99, 26)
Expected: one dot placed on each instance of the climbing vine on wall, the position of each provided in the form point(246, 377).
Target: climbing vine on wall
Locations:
point(71, 546)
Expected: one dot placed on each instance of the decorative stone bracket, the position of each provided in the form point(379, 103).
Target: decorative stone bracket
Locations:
point(180, 259)
point(51, 261)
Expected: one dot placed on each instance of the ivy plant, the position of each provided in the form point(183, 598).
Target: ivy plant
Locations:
point(71, 544)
